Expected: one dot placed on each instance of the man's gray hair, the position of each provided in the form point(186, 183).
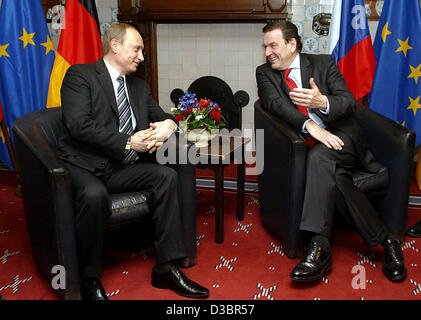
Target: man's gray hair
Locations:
point(116, 31)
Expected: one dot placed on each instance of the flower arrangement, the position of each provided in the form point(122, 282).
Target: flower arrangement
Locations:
point(192, 113)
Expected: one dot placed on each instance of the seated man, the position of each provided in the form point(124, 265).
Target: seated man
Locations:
point(112, 126)
point(309, 92)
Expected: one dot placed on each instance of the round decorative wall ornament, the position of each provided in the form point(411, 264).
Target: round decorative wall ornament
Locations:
point(321, 23)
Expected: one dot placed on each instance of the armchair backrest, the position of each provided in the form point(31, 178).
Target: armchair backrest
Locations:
point(45, 122)
point(400, 137)
point(393, 146)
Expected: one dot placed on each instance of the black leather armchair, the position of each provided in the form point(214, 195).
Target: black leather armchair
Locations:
point(217, 90)
point(48, 203)
point(282, 183)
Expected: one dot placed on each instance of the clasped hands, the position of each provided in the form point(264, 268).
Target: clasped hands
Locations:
point(313, 98)
point(151, 139)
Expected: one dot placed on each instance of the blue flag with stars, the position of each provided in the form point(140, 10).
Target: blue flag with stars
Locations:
point(396, 89)
point(26, 60)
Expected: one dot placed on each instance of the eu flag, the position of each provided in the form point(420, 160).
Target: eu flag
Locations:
point(26, 60)
point(397, 47)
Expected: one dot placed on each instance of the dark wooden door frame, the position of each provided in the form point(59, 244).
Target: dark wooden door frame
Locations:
point(147, 21)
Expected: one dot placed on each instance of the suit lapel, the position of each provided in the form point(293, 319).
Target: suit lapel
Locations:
point(107, 85)
point(284, 85)
point(277, 78)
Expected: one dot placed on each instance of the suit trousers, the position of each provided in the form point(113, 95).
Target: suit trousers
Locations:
point(92, 209)
point(329, 186)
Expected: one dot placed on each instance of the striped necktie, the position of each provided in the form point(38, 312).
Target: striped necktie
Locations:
point(292, 85)
point(125, 118)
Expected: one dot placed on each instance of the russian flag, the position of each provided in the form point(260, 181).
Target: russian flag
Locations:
point(351, 47)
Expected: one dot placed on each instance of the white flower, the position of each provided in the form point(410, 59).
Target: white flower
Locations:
point(173, 109)
point(199, 117)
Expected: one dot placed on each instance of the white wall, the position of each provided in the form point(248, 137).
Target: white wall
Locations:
point(228, 51)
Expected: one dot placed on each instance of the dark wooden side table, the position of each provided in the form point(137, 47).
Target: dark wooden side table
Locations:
point(220, 152)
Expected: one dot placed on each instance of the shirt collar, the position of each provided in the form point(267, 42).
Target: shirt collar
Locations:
point(114, 74)
point(295, 63)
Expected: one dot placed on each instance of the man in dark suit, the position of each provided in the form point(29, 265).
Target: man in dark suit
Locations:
point(309, 93)
point(112, 127)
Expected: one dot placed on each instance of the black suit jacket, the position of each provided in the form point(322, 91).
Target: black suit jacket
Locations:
point(91, 136)
point(274, 94)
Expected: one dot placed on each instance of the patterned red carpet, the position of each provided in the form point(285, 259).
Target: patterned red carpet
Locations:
point(249, 265)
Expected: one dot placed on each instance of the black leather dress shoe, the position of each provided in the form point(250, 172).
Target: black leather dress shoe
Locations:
point(393, 263)
point(91, 289)
point(178, 282)
point(415, 230)
point(314, 265)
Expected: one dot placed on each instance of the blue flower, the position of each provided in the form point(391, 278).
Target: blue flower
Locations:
point(198, 114)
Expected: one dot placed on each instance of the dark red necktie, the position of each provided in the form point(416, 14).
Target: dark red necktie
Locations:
point(292, 85)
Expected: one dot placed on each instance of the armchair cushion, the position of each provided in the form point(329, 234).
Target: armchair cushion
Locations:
point(127, 208)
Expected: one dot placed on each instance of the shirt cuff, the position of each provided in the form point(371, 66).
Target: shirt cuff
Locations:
point(327, 107)
point(303, 128)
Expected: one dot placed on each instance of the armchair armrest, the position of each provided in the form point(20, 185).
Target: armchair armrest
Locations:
point(387, 140)
point(282, 182)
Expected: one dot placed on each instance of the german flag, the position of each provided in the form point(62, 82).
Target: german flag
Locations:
point(80, 42)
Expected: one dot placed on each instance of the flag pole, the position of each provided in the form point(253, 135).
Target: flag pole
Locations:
point(8, 144)
point(418, 170)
